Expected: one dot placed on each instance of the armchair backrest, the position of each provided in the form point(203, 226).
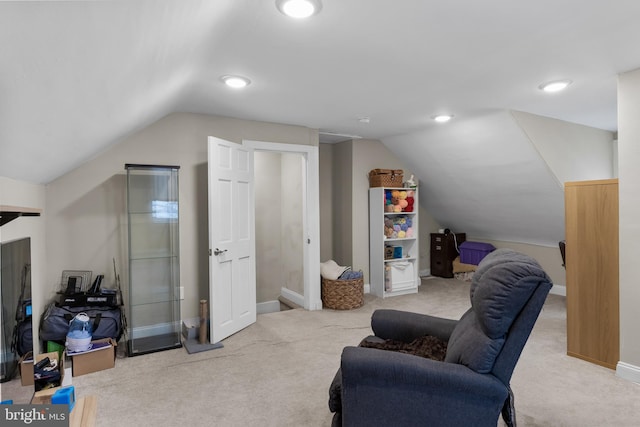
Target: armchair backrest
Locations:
point(508, 291)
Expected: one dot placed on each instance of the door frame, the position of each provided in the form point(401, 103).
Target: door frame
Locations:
point(311, 213)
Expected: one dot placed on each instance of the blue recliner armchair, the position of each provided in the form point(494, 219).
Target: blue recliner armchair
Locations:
point(470, 387)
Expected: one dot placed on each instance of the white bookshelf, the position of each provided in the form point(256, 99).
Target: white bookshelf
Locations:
point(404, 277)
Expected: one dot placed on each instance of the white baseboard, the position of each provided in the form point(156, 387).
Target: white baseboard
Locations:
point(426, 272)
point(367, 288)
point(558, 290)
point(268, 307)
point(628, 372)
point(292, 296)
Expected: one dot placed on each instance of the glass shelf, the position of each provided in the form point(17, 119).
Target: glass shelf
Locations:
point(152, 257)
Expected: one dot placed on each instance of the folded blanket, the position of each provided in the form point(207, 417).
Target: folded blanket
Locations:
point(351, 275)
point(426, 346)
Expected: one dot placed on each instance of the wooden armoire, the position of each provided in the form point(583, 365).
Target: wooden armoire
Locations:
point(591, 227)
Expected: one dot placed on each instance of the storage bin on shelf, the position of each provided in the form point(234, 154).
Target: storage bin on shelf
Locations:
point(474, 252)
point(342, 294)
point(399, 275)
point(386, 178)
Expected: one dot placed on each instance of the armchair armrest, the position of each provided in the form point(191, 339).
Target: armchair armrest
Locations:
point(406, 326)
point(390, 388)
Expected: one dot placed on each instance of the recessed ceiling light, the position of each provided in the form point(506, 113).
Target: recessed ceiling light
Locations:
point(555, 86)
point(299, 8)
point(236, 82)
point(442, 118)
point(364, 119)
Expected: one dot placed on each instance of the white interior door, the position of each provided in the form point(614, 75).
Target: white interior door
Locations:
point(232, 269)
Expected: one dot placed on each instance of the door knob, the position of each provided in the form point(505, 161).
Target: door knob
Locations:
point(218, 251)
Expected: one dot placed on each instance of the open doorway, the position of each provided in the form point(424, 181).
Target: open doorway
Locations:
point(279, 230)
point(286, 225)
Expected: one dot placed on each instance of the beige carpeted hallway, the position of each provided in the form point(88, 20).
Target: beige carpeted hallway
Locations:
point(277, 372)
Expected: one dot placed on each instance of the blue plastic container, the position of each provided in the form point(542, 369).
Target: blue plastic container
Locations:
point(65, 396)
point(397, 251)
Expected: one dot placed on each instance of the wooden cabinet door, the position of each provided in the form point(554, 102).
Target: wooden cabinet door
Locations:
point(591, 215)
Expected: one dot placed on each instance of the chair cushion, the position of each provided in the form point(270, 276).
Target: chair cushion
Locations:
point(502, 285)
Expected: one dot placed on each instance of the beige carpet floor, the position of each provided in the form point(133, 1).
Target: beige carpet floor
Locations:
point(277, 372)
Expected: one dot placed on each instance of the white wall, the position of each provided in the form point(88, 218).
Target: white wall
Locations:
point(86, 221)
point(372, 154)
point(550, 259)
point(629, 197)
point(326, 201)
point(291, 222)
point(342, 213)
point(366, 155)
point(484, 174)
point(268, 199)
point(279, 233)
point(572, 152)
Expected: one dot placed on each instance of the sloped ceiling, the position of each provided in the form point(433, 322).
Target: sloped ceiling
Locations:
point(483, 176)
point(79, 76)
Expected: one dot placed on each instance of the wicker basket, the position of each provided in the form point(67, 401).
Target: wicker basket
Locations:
point(386, 178)
point(342, 294)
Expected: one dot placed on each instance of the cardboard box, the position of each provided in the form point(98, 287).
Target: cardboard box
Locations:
point(102, 355)
point(26, 366)
point(26, 369)
point(39, 395)
point(43, 397)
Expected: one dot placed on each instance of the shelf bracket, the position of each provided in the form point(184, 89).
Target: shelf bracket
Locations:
point(7, 216)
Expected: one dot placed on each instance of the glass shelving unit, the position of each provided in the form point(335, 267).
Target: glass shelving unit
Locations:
point(154, 258)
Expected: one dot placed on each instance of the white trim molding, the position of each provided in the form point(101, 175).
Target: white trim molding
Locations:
point(267, 307)
point(559, 290)
point(292, 296)
point(628, 372)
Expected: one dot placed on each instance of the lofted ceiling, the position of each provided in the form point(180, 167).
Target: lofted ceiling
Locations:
point(79, 76)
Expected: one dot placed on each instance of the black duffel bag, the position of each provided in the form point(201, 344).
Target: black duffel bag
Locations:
point(106, 322)
point(22, 337)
